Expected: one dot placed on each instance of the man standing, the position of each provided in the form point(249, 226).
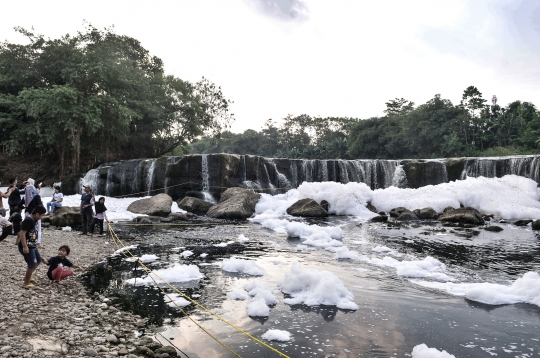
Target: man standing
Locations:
point(27, 243)
point(15, 196)
point(86, 210)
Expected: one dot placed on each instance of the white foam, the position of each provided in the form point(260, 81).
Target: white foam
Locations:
point(429, 267)
point(258, 308)
point(381, 249)
point(423, 351)
point(176, 300)
point(242, 266)
point(315, 287)
point(148, 258)
point(176, 273)
point(525, 289)
point(238, 295)
point(345, 253)
point(186, 253)
point(66, 228)
point(242, 238)
point(277, 335)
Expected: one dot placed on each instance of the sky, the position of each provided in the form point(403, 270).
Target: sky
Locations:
point(328, 58)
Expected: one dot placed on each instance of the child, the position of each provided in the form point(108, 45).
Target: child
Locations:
point(16, 219)
point(26, 241)
point(101, 215)
point(57, 265)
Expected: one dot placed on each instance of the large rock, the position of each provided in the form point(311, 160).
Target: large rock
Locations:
point(522, 222)
point(65, 216)
point(407, 216)
point(465, 215)
point(158, 205)
point(426, 213)
point(536, 225)
point(398, 211)
point(194, 205)
point(235, 203)
point(307, 208)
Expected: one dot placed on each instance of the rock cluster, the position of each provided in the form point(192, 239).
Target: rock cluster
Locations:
point(63, 320)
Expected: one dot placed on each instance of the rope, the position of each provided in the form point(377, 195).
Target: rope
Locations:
point(150, 273)
point(165, 224)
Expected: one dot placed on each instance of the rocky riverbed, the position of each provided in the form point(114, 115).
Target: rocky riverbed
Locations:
point(64, 320)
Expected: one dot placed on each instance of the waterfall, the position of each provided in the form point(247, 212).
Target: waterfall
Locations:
point(91, 180)
point(150, 177)
point(206, 180)
point(294, 174)
point(399, 180)
point(343, 172)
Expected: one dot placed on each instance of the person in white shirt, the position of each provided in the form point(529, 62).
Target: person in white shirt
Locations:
point(56, 202)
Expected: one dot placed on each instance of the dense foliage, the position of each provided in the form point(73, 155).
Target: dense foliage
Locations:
point(99, 96)
point(437, 128)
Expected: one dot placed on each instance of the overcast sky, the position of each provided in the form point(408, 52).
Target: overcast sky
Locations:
point(341, 58)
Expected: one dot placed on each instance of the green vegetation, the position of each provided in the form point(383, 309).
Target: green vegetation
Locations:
point(435, 129)
point(98, 96)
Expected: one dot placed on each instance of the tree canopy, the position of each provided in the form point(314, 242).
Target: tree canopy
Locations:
point(99, 96)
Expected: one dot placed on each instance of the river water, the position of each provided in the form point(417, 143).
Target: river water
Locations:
point(395, 312)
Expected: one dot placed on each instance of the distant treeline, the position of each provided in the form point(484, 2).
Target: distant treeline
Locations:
point(435, 129)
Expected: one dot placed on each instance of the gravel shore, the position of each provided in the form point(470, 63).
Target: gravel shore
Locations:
point(63, 320)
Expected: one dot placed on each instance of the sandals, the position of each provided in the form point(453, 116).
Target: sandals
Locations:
point(30, 285)
point(32, 280)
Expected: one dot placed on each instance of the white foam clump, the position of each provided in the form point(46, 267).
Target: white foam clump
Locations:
point(277, 335)
point(423, 351)
point(381, 249)
point(124, 249)
point(524, 289)
point(238, 295)
point(509, 197)
point(176, 209)
point(262, 299)
point(429, 267)
point(148, 258)
point(242, 266)
point(66, 228)
point(186, 253)
point(345, 253)
point(242, 238)
point(176, 300)
point(224, 244)
point(314, 287)
point(176, 273)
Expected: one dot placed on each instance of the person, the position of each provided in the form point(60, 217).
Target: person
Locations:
point(30, 192)
point(56, 202)
point(6, 227)
point(101, 215)
point(86, 209)
point(35, 202)
point(58, 265)
point(26, 242)
point(16, 219)
point(15, 196)
point(5, 196)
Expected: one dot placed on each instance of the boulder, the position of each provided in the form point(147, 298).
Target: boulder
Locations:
point(158, 205)
point(66, 216)
point(465, 215)
point(379, 218)
point(195, 194)
point(426, 213)
point(493, 228)
point(307, 208)
point(371, 208)
point(407, 216)
point(194, 205)
point(398, 211)
point(536, 225)
point(179, 216)
point(235, 203)
point(522, 222)
point(325, 205)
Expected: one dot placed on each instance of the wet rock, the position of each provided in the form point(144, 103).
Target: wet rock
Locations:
point(381, 213)
point(158, 205)
point(307, 208)
point(426, 214)
point(145, 221)
point(493, 228)
point(536, 225)
point(398, 211)
point(195, 205)
point(463, 216)
point(522, 222)
point(235, 203)
point(407, 216)
point(371, 208)
point(179, 216)
point(379, 219)
point(325, 205)
point(195, 194)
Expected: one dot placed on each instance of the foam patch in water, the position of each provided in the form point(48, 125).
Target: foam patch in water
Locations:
point(525, 289)
point(423, 351)
point(277, 335)
point(315, 287)
point(176, 273)
point(429, 267)
point(176, 300)
point(242, 266)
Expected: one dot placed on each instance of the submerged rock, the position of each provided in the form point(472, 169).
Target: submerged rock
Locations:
point(235, 203)
point(494, 228)
point(307, 208)
point(465, 215)
point(379, 218)
point(195, 205)
point(522, 222)
point(158, 205)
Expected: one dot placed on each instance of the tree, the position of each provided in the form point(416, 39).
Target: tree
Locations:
point(398, 107)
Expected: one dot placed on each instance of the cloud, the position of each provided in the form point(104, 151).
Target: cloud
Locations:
point(502, 35)
point(284, 10)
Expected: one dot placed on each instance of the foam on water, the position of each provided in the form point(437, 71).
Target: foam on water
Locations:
point(429, 267)
point(242, 266)
point(277, 335)
point(525, 289)
point(423, 351)
point(176, 273)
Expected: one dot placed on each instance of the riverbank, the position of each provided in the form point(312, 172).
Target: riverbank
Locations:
point(61, 320)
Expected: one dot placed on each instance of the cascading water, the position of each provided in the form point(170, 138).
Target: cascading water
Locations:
point(399, 180)
point(206, 180)
point(150, 177)
point(91, 180)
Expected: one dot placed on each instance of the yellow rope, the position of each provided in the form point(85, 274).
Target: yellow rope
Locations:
point(148, 271)
point(165, 224)
point(113, 234)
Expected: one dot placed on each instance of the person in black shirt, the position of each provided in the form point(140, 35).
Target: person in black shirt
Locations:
point(86, 210)
point(16, 219)
point(57, 265)
point(26, 242)
point(15, 196)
